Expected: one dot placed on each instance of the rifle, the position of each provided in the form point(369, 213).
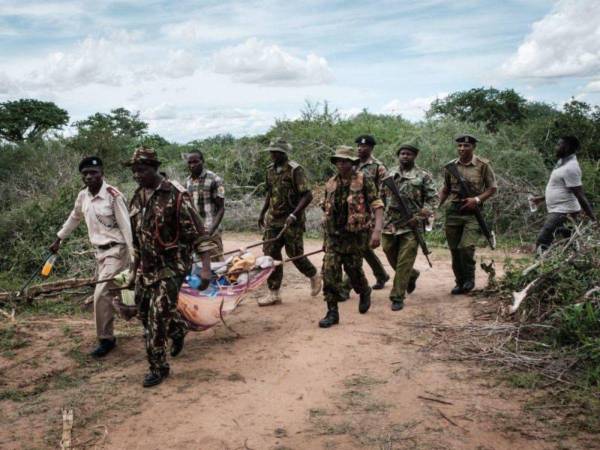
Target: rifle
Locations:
point(404, 210)
point(465, 192)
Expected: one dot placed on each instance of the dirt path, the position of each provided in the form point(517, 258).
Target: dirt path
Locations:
point(374, 381)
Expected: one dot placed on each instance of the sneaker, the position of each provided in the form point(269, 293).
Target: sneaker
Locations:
point(272, 299)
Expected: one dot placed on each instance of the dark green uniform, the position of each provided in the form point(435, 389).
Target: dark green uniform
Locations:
point(348, 210)
point(462, 229)
point(398, 241)
point(286, 184)
point(166, 231)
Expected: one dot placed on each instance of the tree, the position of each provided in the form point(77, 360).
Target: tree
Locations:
point(489, 106)
point(29, 119)
point(110, 136)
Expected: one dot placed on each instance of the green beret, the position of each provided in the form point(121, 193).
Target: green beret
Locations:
point(412, 148)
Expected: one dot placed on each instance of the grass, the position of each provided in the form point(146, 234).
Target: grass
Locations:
point(11, 339)
point(524, 380)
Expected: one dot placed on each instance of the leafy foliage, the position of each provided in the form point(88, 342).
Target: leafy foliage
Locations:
point(29, 119)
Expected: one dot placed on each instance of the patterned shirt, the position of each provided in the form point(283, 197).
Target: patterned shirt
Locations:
point(205, 190)
point(374, 169)
point(478, 173)
point(417, 187)
point(166, 230)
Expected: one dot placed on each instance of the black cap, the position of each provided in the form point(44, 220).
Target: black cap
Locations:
point(412, 148)
point(90, 161)
point(366, 139)
point(466, 138)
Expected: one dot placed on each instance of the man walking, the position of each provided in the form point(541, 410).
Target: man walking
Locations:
point(288, 195)
point(167, 230)
point(399, 242)
point(461, 227)
point(564, 195)
point(350, 205)
point(375, 170)
point(208, 195)
point(104, 211)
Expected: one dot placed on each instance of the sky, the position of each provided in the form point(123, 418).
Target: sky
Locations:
point(195, 69)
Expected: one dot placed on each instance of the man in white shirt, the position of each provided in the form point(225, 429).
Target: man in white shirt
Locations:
point(564, 195)
point(109, 228)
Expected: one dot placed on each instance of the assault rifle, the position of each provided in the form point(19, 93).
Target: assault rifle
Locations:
point(404, 209)
point(465, 191)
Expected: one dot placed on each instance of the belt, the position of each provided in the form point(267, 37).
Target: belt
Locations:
point(107, 246)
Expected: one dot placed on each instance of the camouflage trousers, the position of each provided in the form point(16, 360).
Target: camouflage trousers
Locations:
point(401, 252)
point(333, 264)
point(157, 309)
point(462, 234)
point(374, 263)
point(292, 240)
point(216, 254)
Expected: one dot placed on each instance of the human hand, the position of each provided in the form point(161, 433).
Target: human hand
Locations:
point(469, 204)
point(55, 246)
point(291, 219)
point(375, 239)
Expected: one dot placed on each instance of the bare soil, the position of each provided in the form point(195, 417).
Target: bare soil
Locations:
point(373, 381)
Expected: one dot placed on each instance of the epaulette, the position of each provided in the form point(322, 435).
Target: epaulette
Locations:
point(113, 191)
point(483, 160)
point(294, 164)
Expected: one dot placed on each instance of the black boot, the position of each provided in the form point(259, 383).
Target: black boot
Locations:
point(365, 302)
point(332, 317)
point(177, 345)
point(397, 305)
point(412, 283)
point(153, 378)
point(457, 290)
point(104, 347)
point(380, 284)
point(468, 286)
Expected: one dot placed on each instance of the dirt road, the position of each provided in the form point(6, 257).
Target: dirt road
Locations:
point(374, 381)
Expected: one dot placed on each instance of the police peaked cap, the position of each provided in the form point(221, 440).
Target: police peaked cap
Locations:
point(366, 139)
point(466, 138)
point(90, 161)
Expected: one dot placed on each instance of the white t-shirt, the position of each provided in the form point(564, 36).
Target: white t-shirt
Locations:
point(566, 174)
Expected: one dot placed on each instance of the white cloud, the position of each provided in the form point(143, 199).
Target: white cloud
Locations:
point(411, 109)
point(201, 31)
point(92, 61)
point(187, 127)
point(593, 86)
point(566, 42)
point(164, 111)
point(256, 62)
point(180, 63)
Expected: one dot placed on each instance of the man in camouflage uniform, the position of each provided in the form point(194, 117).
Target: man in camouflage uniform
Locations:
point(208, 195)
point(462, 229)
point(350, 204)
point(166, 231)
point(399, 242)
point(288, 194)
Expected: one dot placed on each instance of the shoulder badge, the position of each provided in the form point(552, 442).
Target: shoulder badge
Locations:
point(113, 191)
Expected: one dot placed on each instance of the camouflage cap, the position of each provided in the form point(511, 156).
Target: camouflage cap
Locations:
point(279, 145)
point(144, 155)
point(344, 152)
point(466, 138)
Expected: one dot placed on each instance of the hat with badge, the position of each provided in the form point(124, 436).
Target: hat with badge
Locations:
point(90, 161)
point(279, 144)
point(466, 139)
point(144, 155)
point(410, 147)
point(366, 139)
point(344, 152)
